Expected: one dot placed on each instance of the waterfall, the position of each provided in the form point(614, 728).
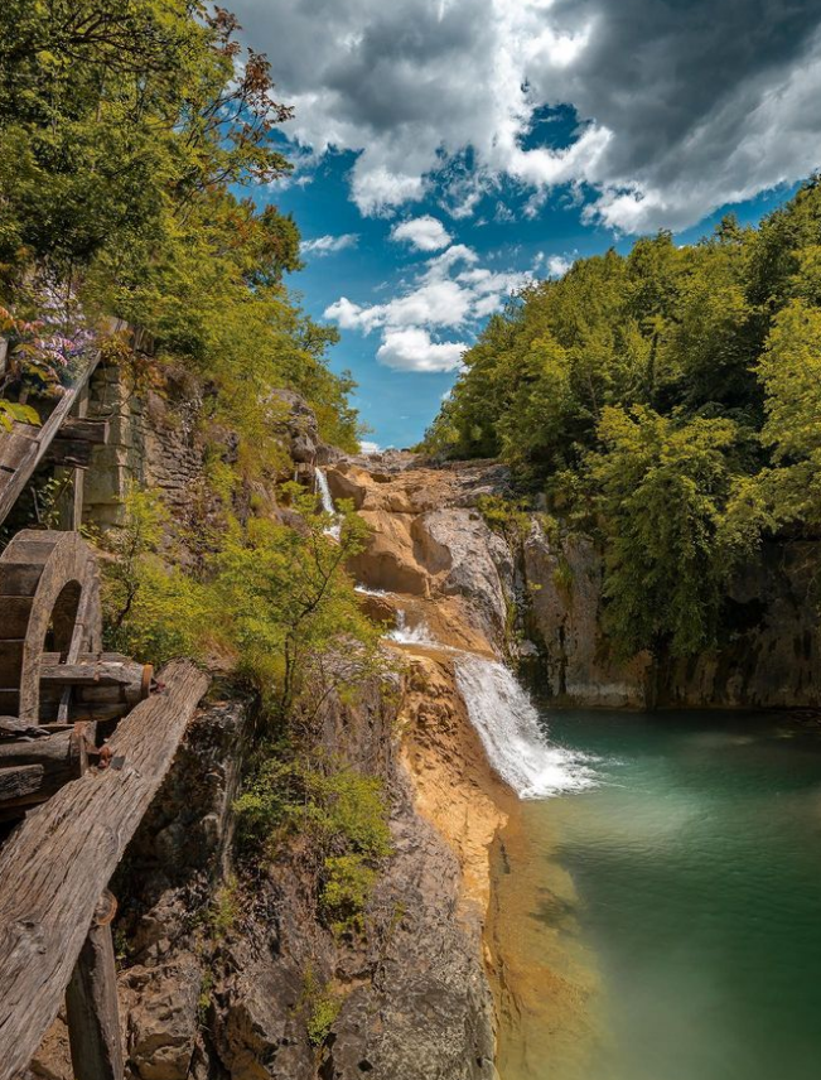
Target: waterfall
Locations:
point(334, 530)
point(403, 635)
point(508, 725)
point(365, 590)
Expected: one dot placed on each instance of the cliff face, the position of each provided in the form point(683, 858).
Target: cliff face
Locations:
point(432, 546)
point(215, 985)
point(769, 657)
point(212, 988)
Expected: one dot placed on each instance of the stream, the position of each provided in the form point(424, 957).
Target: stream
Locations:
point(663, 922)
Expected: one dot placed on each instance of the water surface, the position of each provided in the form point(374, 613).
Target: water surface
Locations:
point(666, 924)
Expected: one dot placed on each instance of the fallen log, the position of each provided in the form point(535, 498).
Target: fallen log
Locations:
point(58, 862)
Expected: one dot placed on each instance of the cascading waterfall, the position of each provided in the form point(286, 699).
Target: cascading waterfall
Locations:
point(508, 725)
point(334, 530)
point(405, 635)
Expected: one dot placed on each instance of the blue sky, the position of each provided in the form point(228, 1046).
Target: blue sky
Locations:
point(448, 149)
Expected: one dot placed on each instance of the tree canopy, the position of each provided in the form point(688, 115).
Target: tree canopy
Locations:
point(127, 131)
point(669, 401)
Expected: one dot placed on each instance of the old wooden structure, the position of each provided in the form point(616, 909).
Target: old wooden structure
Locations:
point(86, 738)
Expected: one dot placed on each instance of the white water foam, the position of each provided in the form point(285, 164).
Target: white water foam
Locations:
point(367, 591)
point(405, 635)
point(334, 530)
point(508, 725)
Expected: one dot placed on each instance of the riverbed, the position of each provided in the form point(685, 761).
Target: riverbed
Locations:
point(664, 923)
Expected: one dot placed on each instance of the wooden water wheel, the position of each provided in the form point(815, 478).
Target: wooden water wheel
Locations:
point(55, 683)
point(49, 603)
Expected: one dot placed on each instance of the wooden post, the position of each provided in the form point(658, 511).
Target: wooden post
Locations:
point(91, 1002)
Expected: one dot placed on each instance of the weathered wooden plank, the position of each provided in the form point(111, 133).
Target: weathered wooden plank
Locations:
point(18, 580)
point(85, 430)
point(16, 447)
point(61, 758)
point(33, 550)
point(91, 1003)
point(89, 604)
point(9, 701)
point(11, 660)
point(12, 484)
point(15, 611)
point(54, 868)
point(20, 781)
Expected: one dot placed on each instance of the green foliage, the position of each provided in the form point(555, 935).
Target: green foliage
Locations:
point(507, 517)
point(272, 602)
point(340, 807)
point(126, 130)
point(664, 489)
point(347, 889)
point(286, 601)
point(152, 609)
point(340, 813)
point(321, 1006)
point(790, 369)
point(112, 110)
point(11, 413)
point(667, 402)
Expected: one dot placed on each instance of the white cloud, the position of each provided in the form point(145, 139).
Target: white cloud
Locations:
point(726, 105)
point(414, 350)
point(368, 447)
point(328, 245)
point(558, 265)
point(450, 292)
point(423, 233)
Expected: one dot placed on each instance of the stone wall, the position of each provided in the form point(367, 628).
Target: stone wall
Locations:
point(154, 443)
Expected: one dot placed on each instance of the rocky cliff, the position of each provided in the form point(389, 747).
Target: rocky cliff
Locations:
point(219, 979)
point(769, 655)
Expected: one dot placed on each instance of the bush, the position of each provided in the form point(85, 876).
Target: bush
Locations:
point(340, 812)
point(345, 895)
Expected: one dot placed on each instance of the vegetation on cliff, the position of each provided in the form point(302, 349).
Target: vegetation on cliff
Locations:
point(668, 401)
point(125, 132)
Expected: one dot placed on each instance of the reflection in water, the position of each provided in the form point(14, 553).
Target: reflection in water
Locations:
point(666, 924)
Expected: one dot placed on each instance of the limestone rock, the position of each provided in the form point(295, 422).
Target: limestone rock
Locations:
point(162, 1024)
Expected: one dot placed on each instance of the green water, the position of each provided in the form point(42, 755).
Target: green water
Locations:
point(691, 901)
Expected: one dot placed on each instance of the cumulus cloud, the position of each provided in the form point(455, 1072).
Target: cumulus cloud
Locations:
point(368, 447)
point(556, 265)
point(449, 293)
point(681, 107)
point(328, 245)
point(414, 350)
point(424, 233)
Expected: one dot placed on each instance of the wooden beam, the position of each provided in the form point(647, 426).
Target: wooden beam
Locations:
point(21, 781)
point(82, 429)
point(57, 863)
point(91, 1003)
point(60, 758)
point(92, 672)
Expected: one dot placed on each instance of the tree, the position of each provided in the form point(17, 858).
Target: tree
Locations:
point(663, 490)
point(790, 371)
